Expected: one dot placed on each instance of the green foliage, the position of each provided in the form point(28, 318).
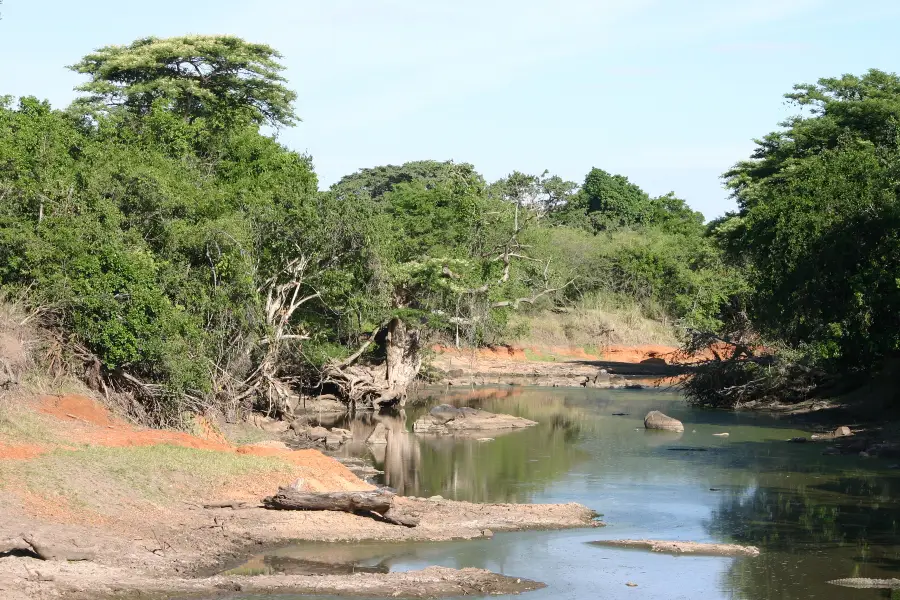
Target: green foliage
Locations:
point(168, 236)
point(221, 79)
point(674, 276)
point(819, 220)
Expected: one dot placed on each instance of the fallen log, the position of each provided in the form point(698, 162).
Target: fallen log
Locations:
point(16, 544)
point(378, 502)
point(44, 549)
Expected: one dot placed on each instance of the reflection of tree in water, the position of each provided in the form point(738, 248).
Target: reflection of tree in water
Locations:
point(510, 468)
point(810, 533)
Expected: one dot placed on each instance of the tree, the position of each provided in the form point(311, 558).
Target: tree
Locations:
point(816, 234)
point(221, 79)
point(541, 194)
point(375, 182)
point(865, 108)
point(613, 201)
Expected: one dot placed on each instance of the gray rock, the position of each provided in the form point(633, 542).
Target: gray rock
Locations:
point(842, 432)
point(657, 420)
point(317, 433)
point(444, 413)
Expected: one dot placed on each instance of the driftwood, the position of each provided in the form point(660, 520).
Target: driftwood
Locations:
point(44, 549)
point(378, 503)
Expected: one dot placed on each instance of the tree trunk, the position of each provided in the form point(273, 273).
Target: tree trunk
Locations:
point(404, 359)
point(379, 502)
point(289, 499)
point(379, 386)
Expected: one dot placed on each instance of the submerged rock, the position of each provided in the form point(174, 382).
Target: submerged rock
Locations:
point(676, 547)
point(657, 420)
point(866, 583)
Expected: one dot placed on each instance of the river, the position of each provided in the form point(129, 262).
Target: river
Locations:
point(815, 517)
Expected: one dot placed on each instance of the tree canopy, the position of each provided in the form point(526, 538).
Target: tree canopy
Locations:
point(188, 259)
point(222, 79)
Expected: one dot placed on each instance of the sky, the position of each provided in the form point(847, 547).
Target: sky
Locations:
point(670, 93)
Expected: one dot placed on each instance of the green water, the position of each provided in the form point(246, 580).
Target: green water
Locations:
point(815, 517)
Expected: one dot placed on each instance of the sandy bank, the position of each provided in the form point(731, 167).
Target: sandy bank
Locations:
point(134, 498)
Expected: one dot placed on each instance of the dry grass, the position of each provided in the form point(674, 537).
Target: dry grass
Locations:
point(162, 473)
point(597, 322)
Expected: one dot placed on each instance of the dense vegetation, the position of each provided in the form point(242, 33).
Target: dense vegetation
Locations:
point(818, 235)
point(189, 260)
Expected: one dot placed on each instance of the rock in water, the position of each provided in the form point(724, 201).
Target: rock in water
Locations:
point(842, 432)
point(657, 420)
point(379, 436)
point(444, 413)
point(466, 420)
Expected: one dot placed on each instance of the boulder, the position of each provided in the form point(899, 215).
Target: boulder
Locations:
point(842, 432)
point(317, 433)
point(657, 420)
point(444, 413)
point(379, 435)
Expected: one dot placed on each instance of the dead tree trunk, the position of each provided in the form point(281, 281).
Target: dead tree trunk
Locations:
point(404, 359)
point(380, 386)
point(378, 502)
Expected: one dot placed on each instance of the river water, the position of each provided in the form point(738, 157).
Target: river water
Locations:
point(815, 517)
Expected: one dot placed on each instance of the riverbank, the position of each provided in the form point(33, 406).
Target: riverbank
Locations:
point(610, 368)
point(135, 500)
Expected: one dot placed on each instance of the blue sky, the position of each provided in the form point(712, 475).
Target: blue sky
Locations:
point(667, 92)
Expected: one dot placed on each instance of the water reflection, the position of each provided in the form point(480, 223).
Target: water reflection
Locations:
point(510, 467)
point(815, 517)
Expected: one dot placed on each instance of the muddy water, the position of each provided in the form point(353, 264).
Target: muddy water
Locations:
point(815, 517)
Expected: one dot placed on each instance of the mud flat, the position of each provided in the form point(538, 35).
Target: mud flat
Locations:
point(172, 558)
point(160, 514)
point(95, 582)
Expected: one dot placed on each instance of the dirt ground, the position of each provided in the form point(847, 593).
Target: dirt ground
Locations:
point(74, 475)
point(560, 367)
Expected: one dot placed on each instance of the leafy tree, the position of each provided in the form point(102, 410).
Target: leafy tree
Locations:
point(221, 79)
point(542, 194)
point(864, 108)
point(374, 182)
point(816, 234)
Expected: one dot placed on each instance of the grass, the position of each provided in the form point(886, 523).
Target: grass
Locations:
point(156, 473)
point(22, 426)
point(598, 321)
point(538, 356)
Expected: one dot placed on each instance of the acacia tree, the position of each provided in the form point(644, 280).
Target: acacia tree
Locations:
point(222, 79)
